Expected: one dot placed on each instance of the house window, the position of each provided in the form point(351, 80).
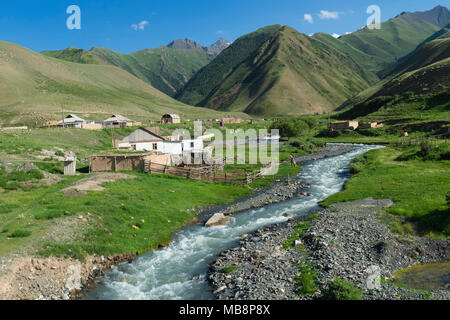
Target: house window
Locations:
point(155, 146)
point(192, 144)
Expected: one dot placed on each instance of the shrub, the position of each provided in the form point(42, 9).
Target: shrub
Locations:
point(339, 289)
point(426, 151)
point(20, 233)
point(307, 280)
point(35, 174)
point(425, 148)
point(291, 127)
point(357, 165)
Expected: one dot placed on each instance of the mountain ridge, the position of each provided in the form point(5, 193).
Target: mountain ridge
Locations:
point(287, 73)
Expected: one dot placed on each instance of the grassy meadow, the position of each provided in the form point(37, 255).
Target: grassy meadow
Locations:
point(157, 205)
point(417, 186)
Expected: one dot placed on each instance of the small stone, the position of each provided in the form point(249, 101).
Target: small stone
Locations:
point(220, 289)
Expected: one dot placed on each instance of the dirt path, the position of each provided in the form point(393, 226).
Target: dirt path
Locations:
point(94, 183)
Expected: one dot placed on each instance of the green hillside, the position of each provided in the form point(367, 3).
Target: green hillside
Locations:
point(74, 55)
point(213, 74)
point(429, 53)
point(34, 88)
point(166, 69)
point(289, 73)
point(425, 73)
point(377, 50)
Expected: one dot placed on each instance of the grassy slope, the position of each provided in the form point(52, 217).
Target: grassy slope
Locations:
point(166, 69)
point(148, 201)
point(424, 72)
point(417, 187)
point(431, 52)
point(376, 50)
point(74, 55)
point(198, 88)
point(289, 74)
point(33, 88)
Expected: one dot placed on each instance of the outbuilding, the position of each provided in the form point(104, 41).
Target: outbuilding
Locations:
point(170, 118)
point(119, 121)
point(73, 121)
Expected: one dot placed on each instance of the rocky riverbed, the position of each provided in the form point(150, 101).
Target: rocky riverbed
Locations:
point(347, 241)
point(330, 150)
point(35, 278)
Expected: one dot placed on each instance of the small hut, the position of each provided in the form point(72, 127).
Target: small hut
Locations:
point(170, 118)
point(70, 166)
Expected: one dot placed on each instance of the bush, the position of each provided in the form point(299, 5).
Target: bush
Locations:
point(307, 145)
point(357, 165)
point(339, 289)
point(425, 148)
point(20, 234)
point(426, 151)
point(291, 127)
point(35, 174)
point(307, 280)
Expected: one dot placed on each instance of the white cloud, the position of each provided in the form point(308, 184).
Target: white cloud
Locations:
point(308, 18)
point(324, 14)
point(347, 33)
point(219, 32)
point(335, 35)
point(140, 26)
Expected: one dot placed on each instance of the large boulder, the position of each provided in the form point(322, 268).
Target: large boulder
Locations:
point(218, 219)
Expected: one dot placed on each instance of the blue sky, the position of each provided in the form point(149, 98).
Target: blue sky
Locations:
point(131, 25)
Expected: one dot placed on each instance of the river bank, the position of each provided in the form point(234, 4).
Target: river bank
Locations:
point(278, 191)
point(347, 241)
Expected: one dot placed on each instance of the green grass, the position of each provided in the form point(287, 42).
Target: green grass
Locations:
point(300, 231)
point(306, 280)
point(20, 233)
point(148, 201)
point(418, 189)
point(339, 289)
point(229, 269)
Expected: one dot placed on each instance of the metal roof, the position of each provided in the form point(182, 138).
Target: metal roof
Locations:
point(117, 118)
point(173, 116)
point(72, 118)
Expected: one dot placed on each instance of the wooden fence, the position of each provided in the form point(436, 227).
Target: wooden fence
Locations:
point(214, 174)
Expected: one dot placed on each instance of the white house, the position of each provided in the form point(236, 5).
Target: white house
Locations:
point(192, 145)
point(144, 140)
point(73, 121)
